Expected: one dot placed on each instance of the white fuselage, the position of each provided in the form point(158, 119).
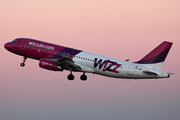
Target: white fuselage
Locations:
point(125, 69)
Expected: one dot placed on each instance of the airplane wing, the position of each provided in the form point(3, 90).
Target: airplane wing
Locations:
point(69, 64)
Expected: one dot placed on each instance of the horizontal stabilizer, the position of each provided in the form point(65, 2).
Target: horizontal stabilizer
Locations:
point(150, 73)
point(170, 73)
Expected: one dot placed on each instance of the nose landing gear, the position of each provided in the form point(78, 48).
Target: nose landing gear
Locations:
point(24, 60)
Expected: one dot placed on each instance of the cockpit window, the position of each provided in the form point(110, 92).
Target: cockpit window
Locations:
point(14, 41)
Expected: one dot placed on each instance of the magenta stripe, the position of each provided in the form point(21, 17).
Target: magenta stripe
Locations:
point(158, 50)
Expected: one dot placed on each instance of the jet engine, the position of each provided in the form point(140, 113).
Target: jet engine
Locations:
point(49, 65)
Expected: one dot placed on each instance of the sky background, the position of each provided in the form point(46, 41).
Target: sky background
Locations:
point(123, 29)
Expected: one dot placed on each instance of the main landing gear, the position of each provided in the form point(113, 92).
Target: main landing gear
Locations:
point(71, 77)
point(24, 60)
point(83, 77)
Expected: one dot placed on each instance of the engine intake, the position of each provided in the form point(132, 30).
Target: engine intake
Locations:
point(49, 65)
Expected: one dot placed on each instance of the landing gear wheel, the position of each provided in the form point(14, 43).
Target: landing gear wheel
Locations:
point(22, 64)
point(83, 77)
point(70, 77)
point(24, 60)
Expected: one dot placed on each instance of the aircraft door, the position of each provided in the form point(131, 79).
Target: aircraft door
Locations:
point(23, 44)
point(131, 69)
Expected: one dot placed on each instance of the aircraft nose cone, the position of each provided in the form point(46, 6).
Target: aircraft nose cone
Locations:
point(7, 46)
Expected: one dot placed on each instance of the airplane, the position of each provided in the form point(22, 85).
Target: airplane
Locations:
point(58, 58)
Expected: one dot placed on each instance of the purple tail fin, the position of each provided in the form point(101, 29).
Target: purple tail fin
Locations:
point(157, 55)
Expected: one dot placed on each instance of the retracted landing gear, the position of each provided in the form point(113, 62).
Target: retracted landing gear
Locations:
point(24, 60)
point(83, 77)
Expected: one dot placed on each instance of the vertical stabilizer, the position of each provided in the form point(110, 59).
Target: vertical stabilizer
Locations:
point(157, 56)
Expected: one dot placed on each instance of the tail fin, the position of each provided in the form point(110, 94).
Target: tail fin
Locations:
point(157, 56)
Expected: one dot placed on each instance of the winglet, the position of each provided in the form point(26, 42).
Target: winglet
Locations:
point(127, 60)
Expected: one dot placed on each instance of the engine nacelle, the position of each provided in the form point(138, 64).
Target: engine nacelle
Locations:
point(49, 65)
